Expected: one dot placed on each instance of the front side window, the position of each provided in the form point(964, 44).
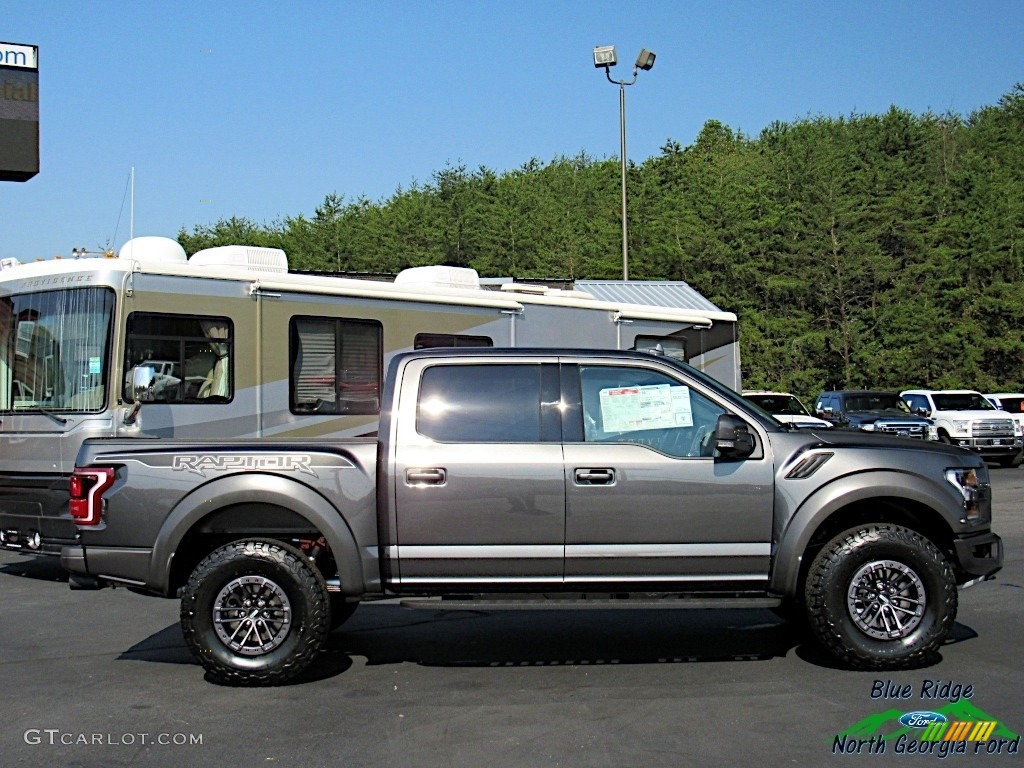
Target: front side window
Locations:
point(336, 365)
point(191, 357)
point(54, 350)
point(480, 403)
point(637, 405)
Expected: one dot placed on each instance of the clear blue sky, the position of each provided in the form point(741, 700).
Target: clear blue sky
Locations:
point(260, 109)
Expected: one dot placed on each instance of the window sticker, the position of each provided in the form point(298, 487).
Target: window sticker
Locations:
point(657, 406)
point(94, 366)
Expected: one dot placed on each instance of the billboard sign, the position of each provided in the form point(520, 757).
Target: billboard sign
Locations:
point(19, 111)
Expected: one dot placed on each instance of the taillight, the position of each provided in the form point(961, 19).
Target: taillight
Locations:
point(87, 487)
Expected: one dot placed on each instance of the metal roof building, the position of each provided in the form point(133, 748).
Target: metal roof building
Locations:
point(655, 293)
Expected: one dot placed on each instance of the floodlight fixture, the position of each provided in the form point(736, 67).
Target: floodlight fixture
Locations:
point(604, 56)
point(645, 60)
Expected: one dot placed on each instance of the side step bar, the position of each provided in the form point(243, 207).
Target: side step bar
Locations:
point(518, 603)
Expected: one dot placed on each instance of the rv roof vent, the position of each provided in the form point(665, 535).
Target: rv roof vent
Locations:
point(9, 263)
point(247, 257)
point(153, 250)
point(439, 277)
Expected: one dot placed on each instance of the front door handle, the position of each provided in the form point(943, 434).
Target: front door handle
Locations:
point(595, 476)
point(426, 476)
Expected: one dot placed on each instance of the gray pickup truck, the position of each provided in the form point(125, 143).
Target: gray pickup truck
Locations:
point(508, 477)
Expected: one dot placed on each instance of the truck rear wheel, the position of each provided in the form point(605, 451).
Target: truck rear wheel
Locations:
point(255, 612)
point(881, 597)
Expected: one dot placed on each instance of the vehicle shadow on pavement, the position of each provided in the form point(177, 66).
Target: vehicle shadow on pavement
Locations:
point(41, 568)
point(390, 634)
point(498, 638)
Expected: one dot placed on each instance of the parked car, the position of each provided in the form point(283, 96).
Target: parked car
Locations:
point(873, 411)
point(786, 408)
point(964, 417)
point(1011, 402)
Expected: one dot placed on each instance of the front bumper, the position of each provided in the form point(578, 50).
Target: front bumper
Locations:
point(979, 556)
point(989, 446)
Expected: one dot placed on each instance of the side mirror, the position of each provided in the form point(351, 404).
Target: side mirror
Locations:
point(732, 437)
point(922, 411)
point(140, 382)
point(143, 379)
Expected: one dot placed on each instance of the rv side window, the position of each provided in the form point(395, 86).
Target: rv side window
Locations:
point(672, 347)
point(191, 356)
point(336, 365)
point(430, 340)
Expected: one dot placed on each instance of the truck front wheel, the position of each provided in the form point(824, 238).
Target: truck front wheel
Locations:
point(881, 597)
point(255, 612)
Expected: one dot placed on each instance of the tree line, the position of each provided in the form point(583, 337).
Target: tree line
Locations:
point(880, 251)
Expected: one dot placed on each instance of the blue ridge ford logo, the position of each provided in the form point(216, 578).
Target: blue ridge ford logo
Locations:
point(921, 719)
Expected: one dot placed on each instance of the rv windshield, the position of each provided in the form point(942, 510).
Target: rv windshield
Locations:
point(54, 348)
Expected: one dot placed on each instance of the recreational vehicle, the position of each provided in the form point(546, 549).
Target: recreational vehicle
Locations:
point(232, 344)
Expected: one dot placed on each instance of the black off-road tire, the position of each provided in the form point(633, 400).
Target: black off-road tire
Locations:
point(865, 579)
point(341, 611)
point(255, 612)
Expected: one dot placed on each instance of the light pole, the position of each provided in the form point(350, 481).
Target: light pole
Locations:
point(604, 56)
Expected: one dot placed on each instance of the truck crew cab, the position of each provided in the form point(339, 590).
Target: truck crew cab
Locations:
point(504, 476)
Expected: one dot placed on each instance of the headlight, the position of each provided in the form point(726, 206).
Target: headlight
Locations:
point(961, 426)
point(971, 487)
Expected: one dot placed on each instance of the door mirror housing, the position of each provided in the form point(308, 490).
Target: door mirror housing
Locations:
point(142, 381)
point(733, 439)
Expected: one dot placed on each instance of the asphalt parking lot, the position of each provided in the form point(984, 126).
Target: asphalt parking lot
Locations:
point(104, 679)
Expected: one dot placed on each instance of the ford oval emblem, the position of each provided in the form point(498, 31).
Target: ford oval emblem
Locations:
point(921, 719)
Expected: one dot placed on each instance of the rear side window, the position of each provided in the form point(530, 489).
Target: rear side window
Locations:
point(336, 365)
point(480, 403)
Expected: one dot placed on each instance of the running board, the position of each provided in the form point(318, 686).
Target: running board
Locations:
point(543, 603)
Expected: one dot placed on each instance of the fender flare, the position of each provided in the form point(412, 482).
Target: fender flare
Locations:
point(273, 490)
point(937, 495)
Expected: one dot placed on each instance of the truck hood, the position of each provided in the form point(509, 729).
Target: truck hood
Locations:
point(839, 438)
point(894, 414)
point(972, 415)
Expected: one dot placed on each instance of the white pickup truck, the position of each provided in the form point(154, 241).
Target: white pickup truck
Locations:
point(965, 418)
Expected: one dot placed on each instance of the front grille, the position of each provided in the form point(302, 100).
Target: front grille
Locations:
point(993, 428)
point(901, 428)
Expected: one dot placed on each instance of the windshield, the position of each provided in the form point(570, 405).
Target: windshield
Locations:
point(1012, 404)
point(54, 348)
point(962, 401)
point(779, 405)
point(876, 401)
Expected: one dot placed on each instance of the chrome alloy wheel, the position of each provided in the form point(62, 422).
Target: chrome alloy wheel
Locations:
point(252, 615)
point(886, 599)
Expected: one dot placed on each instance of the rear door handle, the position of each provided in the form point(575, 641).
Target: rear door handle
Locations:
point(595, 476)
point(426, 476)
